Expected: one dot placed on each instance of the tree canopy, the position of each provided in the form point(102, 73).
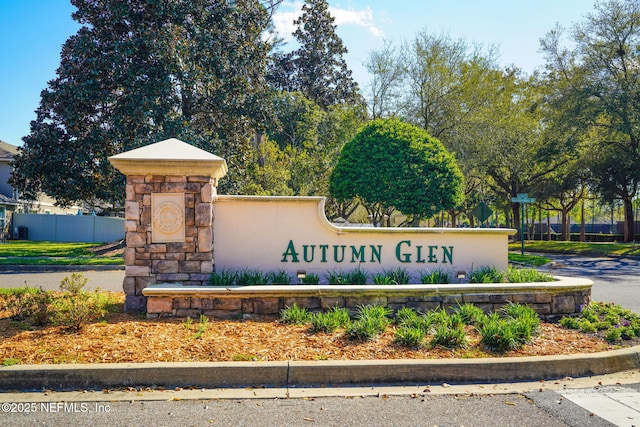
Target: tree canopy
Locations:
point(392, 164)
point(317, 68)
point(138, 72)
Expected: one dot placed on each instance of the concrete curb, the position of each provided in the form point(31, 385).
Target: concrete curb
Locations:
point(314, 373)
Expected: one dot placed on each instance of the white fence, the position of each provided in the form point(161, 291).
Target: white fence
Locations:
point(67, 228)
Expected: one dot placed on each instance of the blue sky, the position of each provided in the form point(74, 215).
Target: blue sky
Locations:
point(33, 32)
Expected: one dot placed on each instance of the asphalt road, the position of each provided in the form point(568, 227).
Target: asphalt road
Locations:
point(615, 280)
point(110, 280)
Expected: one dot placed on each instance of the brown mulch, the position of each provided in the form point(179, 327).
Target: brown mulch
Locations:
point(129, 338)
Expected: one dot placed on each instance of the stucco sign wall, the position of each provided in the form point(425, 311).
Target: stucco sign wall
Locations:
point(293, 234)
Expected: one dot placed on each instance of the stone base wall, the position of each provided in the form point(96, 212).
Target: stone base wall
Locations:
point(189, 262)
point(550, 304)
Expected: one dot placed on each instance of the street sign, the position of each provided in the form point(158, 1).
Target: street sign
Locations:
point(482, 212)
point(522, 198)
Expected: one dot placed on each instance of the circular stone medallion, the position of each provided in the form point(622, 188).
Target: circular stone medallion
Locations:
point(168, 217)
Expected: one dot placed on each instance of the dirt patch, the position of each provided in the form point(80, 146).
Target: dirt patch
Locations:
point(109, 249)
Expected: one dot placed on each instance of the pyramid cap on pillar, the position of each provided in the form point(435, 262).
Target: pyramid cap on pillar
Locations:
point(170, 157)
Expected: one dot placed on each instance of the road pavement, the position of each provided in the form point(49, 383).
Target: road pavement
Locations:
point(615, 279)
point(106, 280)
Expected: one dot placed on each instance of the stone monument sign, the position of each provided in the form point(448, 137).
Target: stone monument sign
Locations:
point(168, 215)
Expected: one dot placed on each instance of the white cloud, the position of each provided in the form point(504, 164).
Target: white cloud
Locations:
point(362, 18)
point(290, 11)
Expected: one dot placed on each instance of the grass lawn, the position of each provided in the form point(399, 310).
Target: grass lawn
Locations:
point(22, 252)
point(532, 260)
point(579, 248)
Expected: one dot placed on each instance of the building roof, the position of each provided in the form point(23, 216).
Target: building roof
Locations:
point(4, 200)
point(7, 151)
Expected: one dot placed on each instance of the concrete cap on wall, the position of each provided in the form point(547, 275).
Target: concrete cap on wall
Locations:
point(170, 157)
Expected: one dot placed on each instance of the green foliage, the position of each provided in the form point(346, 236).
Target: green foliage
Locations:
point(10, 361)
point(409, 336)
point(74, 311)
point(337, 277)
point(613, 335)
point(516, 327)
point(527, 275)
point(393, 164)
point(570, 322)
point(498, 334)
point(294, 315)
point(311, 279)
point(30, 304)
point(317, 68)
point(594, 83)
point(53, 253)
point(279, 277)
point(357, 277)
point(619, 323)
point(222, 278)
point(449, 336)
point(434, 277)
point(19, 248)
point(139, 74)
point(580, 248)
point(330, 320)
point(398, 276)
point(248, 277)
point(73, 284)
point(201, 327)
point(370, 321)
point(382, 279)
point(533, 260)
point(486, 275)
point(470, 314)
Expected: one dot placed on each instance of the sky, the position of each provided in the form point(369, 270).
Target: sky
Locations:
point(33, 31)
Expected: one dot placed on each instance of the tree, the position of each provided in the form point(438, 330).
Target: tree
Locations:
point(599, 85)
point(138, 72)
point(512, 146)
point(317, 68)
point(387, 71)
point(392, 164)
point(442, 85)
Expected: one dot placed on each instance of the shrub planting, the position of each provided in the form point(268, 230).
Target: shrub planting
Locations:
point(617, 322)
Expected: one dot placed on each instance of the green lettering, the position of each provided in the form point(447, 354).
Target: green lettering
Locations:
point(403, 257)
point(304, 251)
point(375, 253)
point(291, 251)
point(335, 253)
point(432, 256)
point(447, 253)
point(324, 248)
point(419, 258)
point(357, 253)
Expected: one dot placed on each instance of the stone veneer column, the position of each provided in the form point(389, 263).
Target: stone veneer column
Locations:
point(170, 167)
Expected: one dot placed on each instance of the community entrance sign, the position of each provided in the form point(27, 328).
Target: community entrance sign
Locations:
point(178, 230)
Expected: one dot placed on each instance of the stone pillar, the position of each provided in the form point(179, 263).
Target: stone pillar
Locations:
point(168, 216)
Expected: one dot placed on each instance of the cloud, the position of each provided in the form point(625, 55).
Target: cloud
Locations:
point(361, 18)
point(290, 11)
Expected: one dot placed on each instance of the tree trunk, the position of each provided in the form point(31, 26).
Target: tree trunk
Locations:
point(548, 226)
point(629, 224)
point(454, 218)
point(582, 226)
point(517, 223)
point(566, 232)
